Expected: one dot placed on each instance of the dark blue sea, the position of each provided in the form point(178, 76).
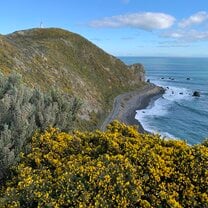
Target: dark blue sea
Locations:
point(177, 114)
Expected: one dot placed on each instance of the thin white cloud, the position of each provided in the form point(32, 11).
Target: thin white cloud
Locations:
point(195, 19)
point(188, 35)
point(144, 21)
point(172, 44)
point(125, 1)
point(127, 38)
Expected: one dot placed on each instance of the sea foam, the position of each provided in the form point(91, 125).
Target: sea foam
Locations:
point(178, 115)
point(161, 107)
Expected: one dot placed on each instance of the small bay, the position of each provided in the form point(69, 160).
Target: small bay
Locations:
point(177, 113)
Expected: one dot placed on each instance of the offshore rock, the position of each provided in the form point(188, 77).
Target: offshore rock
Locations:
point(196, 94)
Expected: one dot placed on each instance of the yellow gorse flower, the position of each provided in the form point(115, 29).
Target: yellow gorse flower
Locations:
point(116, 168)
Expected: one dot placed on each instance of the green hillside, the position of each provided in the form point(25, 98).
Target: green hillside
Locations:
point(66, 61)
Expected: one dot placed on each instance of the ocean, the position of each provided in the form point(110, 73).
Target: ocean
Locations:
point(177, 114)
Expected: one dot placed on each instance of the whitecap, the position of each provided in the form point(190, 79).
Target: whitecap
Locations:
point(161, 107)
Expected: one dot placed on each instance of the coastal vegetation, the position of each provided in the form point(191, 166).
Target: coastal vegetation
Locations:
point(53, 57)
point(56, 89)
point(52, 77)
point(116, 168)
point(24, 110)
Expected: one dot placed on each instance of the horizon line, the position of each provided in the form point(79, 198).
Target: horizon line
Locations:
point(147, 56)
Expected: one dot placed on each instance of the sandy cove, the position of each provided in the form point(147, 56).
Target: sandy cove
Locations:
point(125, 105)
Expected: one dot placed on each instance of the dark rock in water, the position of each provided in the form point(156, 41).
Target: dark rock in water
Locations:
point(181, 93)
point(172, 92)
point(172, 79)
point(169, 78)
point(148, 80)
point(143, 111)
point(162, 77)
point(187, 78)
point(196, 94)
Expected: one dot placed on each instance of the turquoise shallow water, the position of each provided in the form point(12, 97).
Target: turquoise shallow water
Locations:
point(177, 114)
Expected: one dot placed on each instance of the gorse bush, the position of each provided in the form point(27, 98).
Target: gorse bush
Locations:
point(23, 110)
point(116, 168)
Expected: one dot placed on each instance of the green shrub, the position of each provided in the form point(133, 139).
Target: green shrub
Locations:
point(116, 168)
point(23, 110)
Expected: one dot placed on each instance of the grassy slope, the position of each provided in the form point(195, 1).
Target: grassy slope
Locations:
point(58, 58)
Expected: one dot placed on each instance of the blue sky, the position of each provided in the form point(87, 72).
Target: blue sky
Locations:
point(120, 27)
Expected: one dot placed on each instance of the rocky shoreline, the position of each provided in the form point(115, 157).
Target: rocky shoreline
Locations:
point(125, 105)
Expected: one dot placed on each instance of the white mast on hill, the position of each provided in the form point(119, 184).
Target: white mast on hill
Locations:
point(41, 24)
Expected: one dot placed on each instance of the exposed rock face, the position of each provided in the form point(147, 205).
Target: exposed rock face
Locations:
point(138, 69)
point(57, 58)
